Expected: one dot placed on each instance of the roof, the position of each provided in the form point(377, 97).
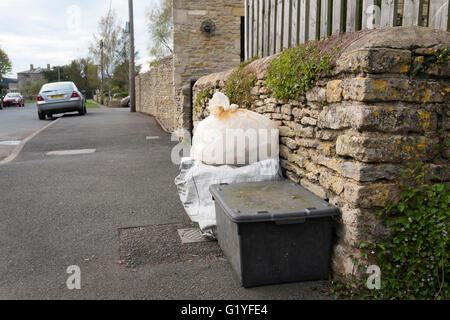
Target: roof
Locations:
point(35, 71)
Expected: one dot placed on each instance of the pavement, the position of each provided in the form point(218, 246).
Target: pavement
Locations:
point(112, 213)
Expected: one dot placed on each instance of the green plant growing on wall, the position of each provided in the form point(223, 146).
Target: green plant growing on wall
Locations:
point(438, 57)
point(415, 260)
point(202, 97)
point(239, 85)
point(294, 72)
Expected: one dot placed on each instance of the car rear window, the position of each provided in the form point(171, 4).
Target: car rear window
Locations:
point(57, 86)
point(13, 95)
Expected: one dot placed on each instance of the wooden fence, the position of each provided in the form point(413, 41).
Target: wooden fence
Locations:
point(273, 25)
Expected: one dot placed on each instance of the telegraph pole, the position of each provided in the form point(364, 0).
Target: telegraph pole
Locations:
point(102, 77)
point(132, 67)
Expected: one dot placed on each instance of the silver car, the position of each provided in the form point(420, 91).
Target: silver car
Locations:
point(60, 97)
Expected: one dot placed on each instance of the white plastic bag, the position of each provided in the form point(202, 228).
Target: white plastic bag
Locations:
point(233, 136)
point(195, 179)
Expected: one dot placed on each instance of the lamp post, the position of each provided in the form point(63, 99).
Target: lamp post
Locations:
point(132, 67)
point(102, 76)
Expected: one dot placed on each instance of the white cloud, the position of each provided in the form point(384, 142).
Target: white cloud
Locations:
point(54, 32)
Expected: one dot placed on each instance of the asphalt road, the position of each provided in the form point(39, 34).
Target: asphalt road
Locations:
point(16, 124)
point(56, 212)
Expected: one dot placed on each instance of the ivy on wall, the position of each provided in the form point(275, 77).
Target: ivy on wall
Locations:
point(296, 70)
point(415, 259)
point(238, 87)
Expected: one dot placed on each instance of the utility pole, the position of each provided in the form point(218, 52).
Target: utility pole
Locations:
point(102, 77)
point(132, 67)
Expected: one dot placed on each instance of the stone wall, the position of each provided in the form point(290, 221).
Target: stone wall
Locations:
point(197, 53)
point(347, 138)
point(155, 94)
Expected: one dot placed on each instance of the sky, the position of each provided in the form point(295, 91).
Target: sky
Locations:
point(56, 32)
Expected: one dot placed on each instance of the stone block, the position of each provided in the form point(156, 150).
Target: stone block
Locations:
point(395, 119)
point(371, 194)
point(334, 90)
point(386, 148)
point(314, 188)
point(304, 132)
point(396, 89)
point(375, 60)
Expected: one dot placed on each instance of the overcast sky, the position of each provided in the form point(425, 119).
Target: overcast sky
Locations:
point(58, 31)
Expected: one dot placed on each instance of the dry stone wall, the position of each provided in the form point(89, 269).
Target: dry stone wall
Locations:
point(347, 138)
point(155, 94)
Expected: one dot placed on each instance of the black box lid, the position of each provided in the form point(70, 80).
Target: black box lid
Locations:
point(281, 201)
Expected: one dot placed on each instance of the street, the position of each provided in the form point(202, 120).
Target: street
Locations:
point(113, 213)
point(16, 124)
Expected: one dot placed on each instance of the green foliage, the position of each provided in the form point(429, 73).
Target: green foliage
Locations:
point(121, 95)
point(202, 97)
point(160, 25)
point(294, 72)
point(56, 73)
point(239, 85)
point(438, 57)
point(5, 63)
point(83, 73)
point(33, 89)
point(415, 260)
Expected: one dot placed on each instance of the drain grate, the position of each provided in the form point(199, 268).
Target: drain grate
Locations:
point(192, 235)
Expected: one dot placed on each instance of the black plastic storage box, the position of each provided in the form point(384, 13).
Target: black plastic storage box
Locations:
point(274, 232)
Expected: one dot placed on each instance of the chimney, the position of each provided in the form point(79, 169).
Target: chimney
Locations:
point(31, 67)
point(48, 67)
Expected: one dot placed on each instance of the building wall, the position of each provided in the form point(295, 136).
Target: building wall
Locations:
point(155, 94)
point(197, 54)
point(348, 137)
point(26, 79)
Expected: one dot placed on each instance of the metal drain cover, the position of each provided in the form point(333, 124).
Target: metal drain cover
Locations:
point(192, 235)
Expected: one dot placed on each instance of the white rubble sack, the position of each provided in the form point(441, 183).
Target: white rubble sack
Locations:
point(195, 179)
point(233, 136)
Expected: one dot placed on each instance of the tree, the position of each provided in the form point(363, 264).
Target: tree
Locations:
point(121, 75)
point(33, 89)
point(84, 73)
point(109, 32)
point(160, 28)
point(55, 74)
point(5, 63)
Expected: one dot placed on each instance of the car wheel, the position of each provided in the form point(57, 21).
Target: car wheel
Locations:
point(41, 115)
point(82, 112)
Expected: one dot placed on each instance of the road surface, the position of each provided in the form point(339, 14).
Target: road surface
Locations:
point(113, 213)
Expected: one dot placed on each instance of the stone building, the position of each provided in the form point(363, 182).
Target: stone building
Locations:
point(206, 39)
point(26, 78)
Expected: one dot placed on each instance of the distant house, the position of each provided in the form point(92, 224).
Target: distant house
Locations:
point(26, 78)
point(8, 84)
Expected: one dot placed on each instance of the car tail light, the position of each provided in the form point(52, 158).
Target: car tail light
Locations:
point(39, 98)
point(75, 95)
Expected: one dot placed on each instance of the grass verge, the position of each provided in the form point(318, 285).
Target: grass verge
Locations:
point(91, 105)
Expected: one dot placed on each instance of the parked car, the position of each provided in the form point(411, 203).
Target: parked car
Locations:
point(126, 102)
point(60, 97)
point(13, 99)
